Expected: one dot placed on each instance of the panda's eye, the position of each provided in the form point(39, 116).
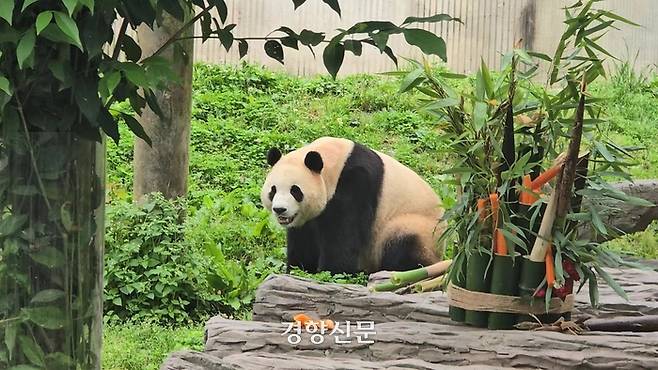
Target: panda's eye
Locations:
point(297, 193)
point(272, 192)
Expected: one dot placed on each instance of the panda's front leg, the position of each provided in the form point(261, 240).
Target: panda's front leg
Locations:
point(302, 249)
point(340, 247)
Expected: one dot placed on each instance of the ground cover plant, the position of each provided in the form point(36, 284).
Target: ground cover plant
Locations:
point(239, 112)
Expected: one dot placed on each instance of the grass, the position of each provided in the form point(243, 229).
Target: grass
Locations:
point(145, 346)
point(633, 112)
point(238, 113)
point(643, 244)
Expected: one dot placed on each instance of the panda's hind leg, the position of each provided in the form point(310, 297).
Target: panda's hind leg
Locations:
point(408, 242)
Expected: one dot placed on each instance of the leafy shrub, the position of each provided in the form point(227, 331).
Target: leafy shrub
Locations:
point(242, 243)
point(151, 274)
point(246, 77)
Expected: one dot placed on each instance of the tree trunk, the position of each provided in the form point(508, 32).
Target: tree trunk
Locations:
point(164, 166)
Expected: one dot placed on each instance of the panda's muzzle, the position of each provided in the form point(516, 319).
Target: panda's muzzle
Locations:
point(283, 220)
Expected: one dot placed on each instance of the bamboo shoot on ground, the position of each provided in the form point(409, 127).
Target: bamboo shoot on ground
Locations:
point(413, 276)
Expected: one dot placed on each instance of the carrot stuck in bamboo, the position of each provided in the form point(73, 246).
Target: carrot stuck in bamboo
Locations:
point(548, 175)
point(550, 267)
point(482, 211)
point(551, 173)
point(528, 196)
point(559, 203)
point(501, 243)
point(496, 246)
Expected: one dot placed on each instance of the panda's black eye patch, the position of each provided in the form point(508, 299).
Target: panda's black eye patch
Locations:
point(296, 193)
point(272, 192)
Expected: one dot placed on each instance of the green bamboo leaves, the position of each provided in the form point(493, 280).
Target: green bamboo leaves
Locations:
point(508, 105)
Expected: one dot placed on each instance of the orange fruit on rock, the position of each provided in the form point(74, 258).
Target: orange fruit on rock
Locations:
point(302, 319)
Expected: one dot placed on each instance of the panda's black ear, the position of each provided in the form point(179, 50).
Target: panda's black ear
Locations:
point(314, 162)
point(273, 156)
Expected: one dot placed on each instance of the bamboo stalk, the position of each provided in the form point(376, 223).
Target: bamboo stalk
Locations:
point(386, 287)
point(581, 180)
point(413, 276)
point(509, 145)
point(429, 285)
point(568, 176)
point(478, 279)
point(458, 278)
point(545, 233)
point(504, 281)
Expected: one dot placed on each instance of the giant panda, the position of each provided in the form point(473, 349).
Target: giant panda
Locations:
point(349, 209)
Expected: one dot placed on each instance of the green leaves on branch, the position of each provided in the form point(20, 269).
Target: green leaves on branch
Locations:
point(333, 4)
point(431, 19)
point(333, 57)
point(274, 50)
point(94, 78)
point(68, 27)
point(26, 47)
point(7, 10)
point(428, 42)
point(376, 33)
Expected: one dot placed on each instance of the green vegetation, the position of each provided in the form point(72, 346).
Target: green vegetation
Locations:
point(643, 244)
point(633, 108)
point(144, 347)
point(239, 112)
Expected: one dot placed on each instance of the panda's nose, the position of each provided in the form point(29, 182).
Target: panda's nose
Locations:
point(279, 210)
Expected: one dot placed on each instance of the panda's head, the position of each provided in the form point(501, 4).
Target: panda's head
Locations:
point(294, 190)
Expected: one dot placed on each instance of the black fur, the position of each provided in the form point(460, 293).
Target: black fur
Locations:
point(273, 156)
point(335, 240)
point(297, 193)
point(314, 162)
point(401, 253)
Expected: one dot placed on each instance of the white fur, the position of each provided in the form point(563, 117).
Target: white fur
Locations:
point(284, 176)
point(407, 204)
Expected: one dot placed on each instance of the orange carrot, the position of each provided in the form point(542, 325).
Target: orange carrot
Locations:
point(501, 243)
point(494, 208)
point(481, 209)
point(527, 196)
point(302, 319)
point(546, 176)
point(493, 197)
point(550, 267)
